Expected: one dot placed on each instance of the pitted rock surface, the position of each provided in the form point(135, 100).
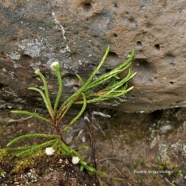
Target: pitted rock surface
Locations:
point(34, 33)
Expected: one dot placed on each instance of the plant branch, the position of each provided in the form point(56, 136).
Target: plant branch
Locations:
point(78, 115)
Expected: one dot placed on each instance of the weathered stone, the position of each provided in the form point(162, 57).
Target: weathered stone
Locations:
point(35, 33)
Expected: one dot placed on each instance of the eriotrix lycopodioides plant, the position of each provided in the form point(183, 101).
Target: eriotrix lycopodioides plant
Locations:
point(89, 92)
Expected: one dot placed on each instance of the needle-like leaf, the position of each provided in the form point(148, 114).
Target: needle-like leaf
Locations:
point(47, 104)
point(26, 136)
point(23, 112)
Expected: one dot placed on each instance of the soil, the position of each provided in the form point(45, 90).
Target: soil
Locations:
point(133, 149)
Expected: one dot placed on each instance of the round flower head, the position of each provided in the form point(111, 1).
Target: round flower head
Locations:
point(54, 65)
point(75, 160)
point(49, 151)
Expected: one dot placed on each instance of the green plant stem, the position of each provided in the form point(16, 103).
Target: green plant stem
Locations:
point(77, 116)
point(46, 89)
point(60, 90)
point(49, 108)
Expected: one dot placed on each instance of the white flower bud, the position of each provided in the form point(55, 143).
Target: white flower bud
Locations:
point(37, 71)
point(75, 160)
point(54, 65)
point(49, 151)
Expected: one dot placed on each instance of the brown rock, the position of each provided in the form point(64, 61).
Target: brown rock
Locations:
point(35, 33)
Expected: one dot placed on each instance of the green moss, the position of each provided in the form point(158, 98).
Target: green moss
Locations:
point(2, 154)
point(14, 164)
point(5, 157)
point(27, 162)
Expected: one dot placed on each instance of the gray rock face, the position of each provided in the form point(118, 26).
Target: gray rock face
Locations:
point(34, 33)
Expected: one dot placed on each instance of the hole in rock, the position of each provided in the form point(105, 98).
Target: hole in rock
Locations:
point(115, 35)
point(138, 43)
point(133, 24)
point(169, 58)
point(171, 82)
point(116, 5)
point(157, 46)
point(156, 115)
point(26, 56)
point(113, 60)
point(141, 63)
point(87, 6)
point(145, 71)
point(127, 13)
point(1, 85)
point(112, 54)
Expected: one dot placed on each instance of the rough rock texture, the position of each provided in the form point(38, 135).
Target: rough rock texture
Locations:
point(35, 33)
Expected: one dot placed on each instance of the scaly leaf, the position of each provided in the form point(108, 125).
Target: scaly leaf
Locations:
point(22, 112)
point(60, 89)
point(45, 88)
point(35, 148)
point(26, 136)
point(44, 99)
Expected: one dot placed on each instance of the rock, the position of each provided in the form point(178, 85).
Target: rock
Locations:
point(35, 33)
